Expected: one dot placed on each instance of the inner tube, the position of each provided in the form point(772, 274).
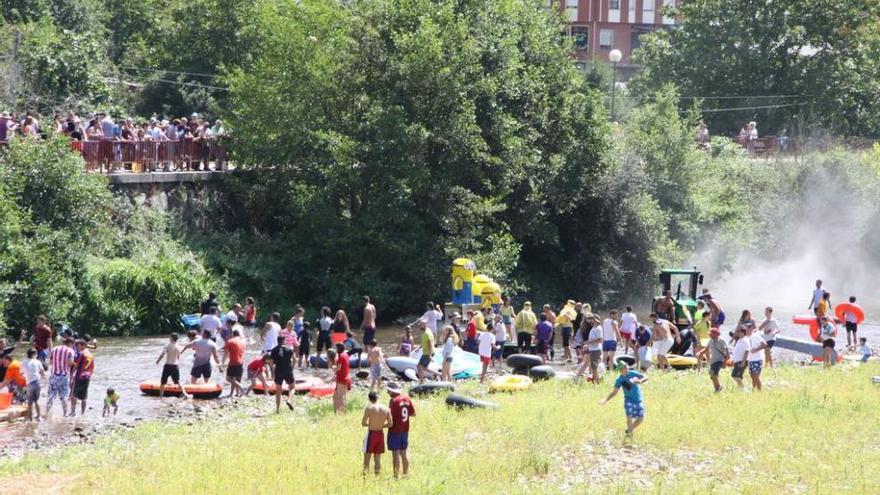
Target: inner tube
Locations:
point(196, 390)
point(854, 309)
point(461, 402)
point(543, 372)
point(411, 375)
point(510, 383)
point(509, 349)
point(524, 361)
point(432, 388)
point(322, 390)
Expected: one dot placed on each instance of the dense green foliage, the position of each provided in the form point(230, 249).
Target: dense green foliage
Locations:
point(71, 251)
point(396, 135)
point(824, 52)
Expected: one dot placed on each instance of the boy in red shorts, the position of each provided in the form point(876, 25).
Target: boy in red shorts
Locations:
point(376, 418)
point(398, 434)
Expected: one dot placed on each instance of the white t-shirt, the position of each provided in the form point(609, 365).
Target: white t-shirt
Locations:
point(486, 340)
point(500, 332)
point(325, 323)
point(271, 339)
point(817, 296)
point(31, 370)
point(448, 347)
point(431, 317)
point(231, 316)
point(608, 330)
point(740, 350)
point(628, 323)
point(595, 333)
point(756, 342)
point(770, 327)
point(210, 323)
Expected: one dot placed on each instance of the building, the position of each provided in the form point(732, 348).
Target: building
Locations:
point(599, 26)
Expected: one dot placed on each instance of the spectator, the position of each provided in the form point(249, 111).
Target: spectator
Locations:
point(107, 125)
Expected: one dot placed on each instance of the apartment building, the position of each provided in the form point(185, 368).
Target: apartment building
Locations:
point(600, 26)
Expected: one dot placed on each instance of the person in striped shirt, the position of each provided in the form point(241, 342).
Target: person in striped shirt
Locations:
point(62, 358)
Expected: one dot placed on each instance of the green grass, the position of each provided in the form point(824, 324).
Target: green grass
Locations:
point(810, 431)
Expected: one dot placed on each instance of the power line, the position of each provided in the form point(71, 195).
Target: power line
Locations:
point(198, 74)
point(110, 79)
point(730, 97)
point(782, 105)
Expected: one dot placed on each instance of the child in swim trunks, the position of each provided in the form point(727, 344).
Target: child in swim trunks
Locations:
point(376, 418)
point(406, 342)
point(376, 359)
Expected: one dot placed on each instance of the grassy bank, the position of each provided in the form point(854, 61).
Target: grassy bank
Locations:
point(810, 431)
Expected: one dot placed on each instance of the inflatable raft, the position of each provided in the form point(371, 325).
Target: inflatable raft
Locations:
point(322, 390)
point(510, 383)
point(196, 390)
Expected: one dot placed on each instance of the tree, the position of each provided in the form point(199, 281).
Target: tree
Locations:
point(794, 50)
point(389, 137)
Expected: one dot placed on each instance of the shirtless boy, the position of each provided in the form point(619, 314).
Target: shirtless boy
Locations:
point(376, 418)
point(171, 354)
point(374, 354)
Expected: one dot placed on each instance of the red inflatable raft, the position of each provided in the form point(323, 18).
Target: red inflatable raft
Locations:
point(196, 390)
point(301, 386)
point(323, 390)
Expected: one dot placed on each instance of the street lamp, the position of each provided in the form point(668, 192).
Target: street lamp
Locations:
point(614, 56)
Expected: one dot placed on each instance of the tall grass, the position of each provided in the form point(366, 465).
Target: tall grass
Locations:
point(809, 431)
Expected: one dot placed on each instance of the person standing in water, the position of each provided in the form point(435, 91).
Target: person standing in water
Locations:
point(84, 368)
point(818, 293)
point(851, 323)
point(368, 326)
point(171, 370)
point(282, 365)
point(62, 358)
point(376, 418)
point(324, 324)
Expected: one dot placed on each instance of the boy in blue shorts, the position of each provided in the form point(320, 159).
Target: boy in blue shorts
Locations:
point(632, 396)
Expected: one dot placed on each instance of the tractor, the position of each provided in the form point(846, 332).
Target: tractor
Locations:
point(683, 284)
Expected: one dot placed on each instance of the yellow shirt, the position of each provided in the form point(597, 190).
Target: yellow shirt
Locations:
point(526, 321)
point(566, 317)
point(701, 328)
point(481, 321)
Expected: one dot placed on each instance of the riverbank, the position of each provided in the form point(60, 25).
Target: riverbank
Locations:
point(809, 431)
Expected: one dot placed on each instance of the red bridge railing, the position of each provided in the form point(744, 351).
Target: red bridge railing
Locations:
point(150, 156)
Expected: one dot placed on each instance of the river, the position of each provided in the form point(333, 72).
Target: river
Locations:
point(122, 363)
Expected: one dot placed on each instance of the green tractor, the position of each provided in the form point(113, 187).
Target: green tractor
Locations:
point(683, 284)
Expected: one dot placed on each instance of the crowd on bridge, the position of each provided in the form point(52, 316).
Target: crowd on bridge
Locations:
point(103, 126)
